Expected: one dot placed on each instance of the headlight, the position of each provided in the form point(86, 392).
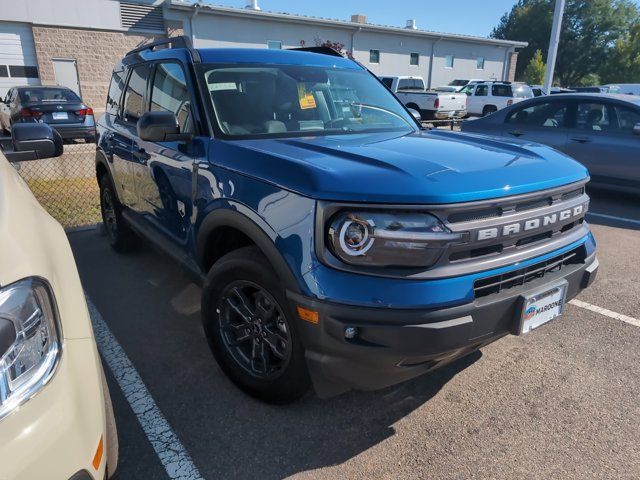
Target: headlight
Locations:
point(29, 341)
point(389, 239)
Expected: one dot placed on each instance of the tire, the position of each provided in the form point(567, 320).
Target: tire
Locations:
point(488, 110)
point(113, 446)
point(240, 289)
point(121, 237)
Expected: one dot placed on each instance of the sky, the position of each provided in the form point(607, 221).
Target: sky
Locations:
point(470, 17)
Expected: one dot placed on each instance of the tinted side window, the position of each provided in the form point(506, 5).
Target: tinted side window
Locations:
point(626, 119)
point(388, 82)
point(551, 115)
point(501, 91)
point(482, 90)
point(170, 93)
point(134, 96)
point(593, 116)
point(115, 92)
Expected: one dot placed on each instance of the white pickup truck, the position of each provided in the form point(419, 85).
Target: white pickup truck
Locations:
point(439, 105)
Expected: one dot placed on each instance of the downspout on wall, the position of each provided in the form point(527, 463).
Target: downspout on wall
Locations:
point(353, 41)
point(196, 8)
point(433, 53)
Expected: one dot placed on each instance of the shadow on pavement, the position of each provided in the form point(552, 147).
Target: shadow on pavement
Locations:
point(153, 311)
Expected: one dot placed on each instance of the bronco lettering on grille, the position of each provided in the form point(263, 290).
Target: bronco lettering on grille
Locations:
point(531, 224)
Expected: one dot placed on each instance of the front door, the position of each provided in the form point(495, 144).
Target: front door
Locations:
point(544, 122)
point(164, 173)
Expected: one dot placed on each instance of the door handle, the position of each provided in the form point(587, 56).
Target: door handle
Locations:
point(581, 139)
point(516, 133)
point(141, 154)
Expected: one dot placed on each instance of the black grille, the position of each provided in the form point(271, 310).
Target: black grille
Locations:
point(497, 283)
point(474, 215)
point(572, 194)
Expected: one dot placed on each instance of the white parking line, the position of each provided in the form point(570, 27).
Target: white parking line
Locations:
point(613, 217)
point(170, 451)
point(603, 311)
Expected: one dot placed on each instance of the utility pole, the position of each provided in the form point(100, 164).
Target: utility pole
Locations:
point(553, 45)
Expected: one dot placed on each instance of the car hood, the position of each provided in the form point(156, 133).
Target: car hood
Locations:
point(421, 167)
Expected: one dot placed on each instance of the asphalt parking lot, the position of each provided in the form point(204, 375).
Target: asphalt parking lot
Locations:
point(560, 402)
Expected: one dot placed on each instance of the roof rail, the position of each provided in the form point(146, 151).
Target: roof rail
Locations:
point(321, 50)
point(172, 42)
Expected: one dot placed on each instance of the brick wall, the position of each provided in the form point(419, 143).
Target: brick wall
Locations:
point(96, 53)
point(513, 62)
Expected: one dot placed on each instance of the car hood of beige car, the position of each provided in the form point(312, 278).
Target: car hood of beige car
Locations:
point(33, 244)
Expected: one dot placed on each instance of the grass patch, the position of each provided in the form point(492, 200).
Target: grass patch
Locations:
point(73, 202)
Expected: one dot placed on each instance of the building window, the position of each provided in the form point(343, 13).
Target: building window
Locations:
point(4, 71)
point(448, 61)
point(274, 44)
point(374, 56)
point(22, 71)
point(414, 59)
point(480, 63)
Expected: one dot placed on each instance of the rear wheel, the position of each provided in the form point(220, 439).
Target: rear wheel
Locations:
point(120, 235)
point(488, 110)
point(250, 330)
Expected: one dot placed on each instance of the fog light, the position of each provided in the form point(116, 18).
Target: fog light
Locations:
point(350, 332)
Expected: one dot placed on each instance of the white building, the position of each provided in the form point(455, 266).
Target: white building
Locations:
point(76, 42)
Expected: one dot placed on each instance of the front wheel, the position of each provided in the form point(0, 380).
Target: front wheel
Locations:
point(250, 329)
point(120, 235)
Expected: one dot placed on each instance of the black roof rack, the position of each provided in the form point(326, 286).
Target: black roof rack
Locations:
point(172, 42)
point(321, 50)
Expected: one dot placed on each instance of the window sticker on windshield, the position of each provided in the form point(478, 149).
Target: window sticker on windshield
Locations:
point(306, 98)
point(214, 87)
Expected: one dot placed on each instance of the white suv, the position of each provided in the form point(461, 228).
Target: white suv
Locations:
point(487, 97)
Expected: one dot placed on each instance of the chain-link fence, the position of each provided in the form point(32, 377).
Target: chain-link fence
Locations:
point(66, 186)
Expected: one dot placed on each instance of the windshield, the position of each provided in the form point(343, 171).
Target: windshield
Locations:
point(288, 100)
point(458, 83)
point(47, 95)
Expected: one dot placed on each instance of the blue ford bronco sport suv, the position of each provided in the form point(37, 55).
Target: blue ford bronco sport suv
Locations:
point(338, 243)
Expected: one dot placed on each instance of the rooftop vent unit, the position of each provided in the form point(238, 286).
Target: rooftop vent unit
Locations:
point(135, 16)
point(252, 5)
point(411, 24)
point(359, 18)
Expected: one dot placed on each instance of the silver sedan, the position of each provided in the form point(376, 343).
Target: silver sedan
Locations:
point(601, 131)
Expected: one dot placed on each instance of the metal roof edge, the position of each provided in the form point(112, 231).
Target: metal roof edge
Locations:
point(294, 18)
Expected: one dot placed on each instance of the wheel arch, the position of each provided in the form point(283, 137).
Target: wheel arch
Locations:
point(224, 222)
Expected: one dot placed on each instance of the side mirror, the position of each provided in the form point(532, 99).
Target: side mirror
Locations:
point(636, 129)
point(34, 141)
point(160, 127)
point(416, 114)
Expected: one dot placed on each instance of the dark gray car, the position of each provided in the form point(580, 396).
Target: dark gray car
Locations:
point(601, 131)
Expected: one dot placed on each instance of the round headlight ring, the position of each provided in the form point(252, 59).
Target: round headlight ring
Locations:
point(361, 245)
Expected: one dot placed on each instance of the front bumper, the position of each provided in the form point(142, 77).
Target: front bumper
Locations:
point(393, 344)
point(56, 433)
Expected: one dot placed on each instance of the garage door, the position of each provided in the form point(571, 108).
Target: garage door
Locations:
point(17, 56)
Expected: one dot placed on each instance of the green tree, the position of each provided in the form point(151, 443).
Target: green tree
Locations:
point(534, 73)
point(590, 29)
point(624, 63)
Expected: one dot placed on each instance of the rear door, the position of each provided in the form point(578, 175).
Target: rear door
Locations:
point(544, 122)
point(164, 173)
point(602, 139)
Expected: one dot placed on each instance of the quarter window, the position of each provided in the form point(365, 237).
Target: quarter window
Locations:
point(170, 94)
point(549, 114)
point(134, 105)
point(374, 56)
point(501, 91)
point(414, 59)
point(448, 61)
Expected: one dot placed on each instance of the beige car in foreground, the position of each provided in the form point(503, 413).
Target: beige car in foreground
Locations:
point(56, 418)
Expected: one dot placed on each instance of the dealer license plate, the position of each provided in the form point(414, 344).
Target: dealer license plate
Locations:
point(60, 116)
point(542, 307)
